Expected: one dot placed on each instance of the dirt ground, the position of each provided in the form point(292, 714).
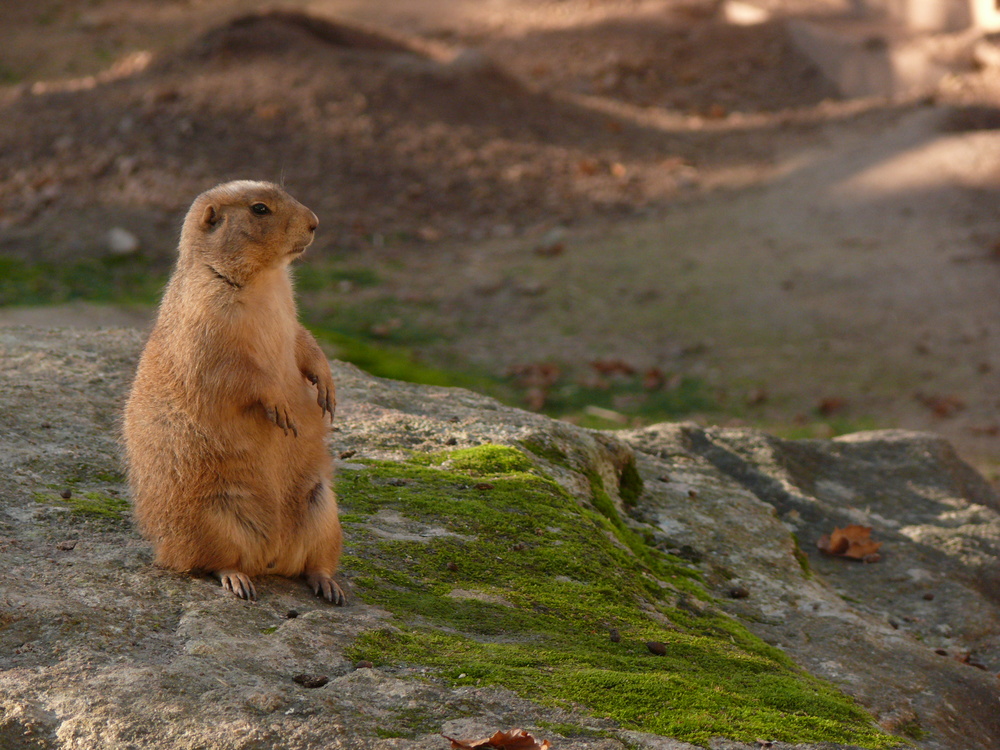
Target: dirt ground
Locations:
point(627, 182)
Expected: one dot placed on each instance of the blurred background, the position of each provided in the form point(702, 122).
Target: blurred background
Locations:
point(780, 213)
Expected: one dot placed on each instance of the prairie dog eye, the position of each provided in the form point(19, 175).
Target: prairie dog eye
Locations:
point(260, 209)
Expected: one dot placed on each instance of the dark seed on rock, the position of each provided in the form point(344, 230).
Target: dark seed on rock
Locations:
point(657, 648)
point(929, 596)
point(614, 635)
point(292, 614)
point(65, 494)
point(364, 664)
point(311, 680)
point(940, 652)
point(452, 566)
point(451, 441)
point(347, 454)
point(739, 592)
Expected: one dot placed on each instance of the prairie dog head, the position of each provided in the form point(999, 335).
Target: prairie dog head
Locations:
point(239, 229)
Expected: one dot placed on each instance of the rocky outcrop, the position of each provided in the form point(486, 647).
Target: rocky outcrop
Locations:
point(504, 570)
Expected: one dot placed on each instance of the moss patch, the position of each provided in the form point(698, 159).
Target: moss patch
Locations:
point(551, 579)
point(89, 504)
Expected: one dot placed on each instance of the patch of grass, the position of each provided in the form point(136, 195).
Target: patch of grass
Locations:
point(398, 363)
point(554, 578)
point(320, 277)
point(629, 397)
point(109, 280)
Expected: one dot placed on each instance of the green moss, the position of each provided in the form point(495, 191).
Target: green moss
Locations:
point(550, 452)
point(541, 580)
point(89, 504)
point(488, 459)
point(630, 484)
point(801, 557)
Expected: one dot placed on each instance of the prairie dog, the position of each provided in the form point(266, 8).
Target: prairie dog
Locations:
point(225, 426)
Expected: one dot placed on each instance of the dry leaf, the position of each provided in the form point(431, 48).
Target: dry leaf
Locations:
point(853, 542)
point(515, 739)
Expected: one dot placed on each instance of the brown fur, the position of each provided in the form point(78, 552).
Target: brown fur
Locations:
point(225, 428)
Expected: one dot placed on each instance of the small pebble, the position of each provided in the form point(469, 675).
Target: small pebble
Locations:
point(739, 592)
point(655, 647)
point(311, 680)
point(664, 477)
point(451, 441)
point(347, 454)
point(364, 664)
point(614, 635)
point(940, 652)
point(67, 545)
point(452, 566)
point(65, 494)
point(692, 493)
point(929, 596)
point(397, 482)
point(45, 425)
point(292, 614)
point(894, 624)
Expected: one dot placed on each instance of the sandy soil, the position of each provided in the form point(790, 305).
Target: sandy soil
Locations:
point(549, 182)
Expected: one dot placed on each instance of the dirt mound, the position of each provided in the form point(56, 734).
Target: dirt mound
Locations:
point(281, 31)
point(688, 63)
point(384, 136)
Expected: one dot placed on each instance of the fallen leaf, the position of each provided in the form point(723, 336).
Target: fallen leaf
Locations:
point(853, 542)
point(942, 406)
point(831, 405)
point(515, 739)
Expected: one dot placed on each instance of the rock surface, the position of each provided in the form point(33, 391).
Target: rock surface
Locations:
point(99, 649)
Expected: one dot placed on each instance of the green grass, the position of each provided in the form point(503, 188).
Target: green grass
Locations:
point(107, 280)
point(552, 577)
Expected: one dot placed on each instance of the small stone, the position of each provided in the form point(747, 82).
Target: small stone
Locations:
point(66, 494)
point(121, 241)
point(364, 664)
point(292, 614)
point(397, 482)
point(929, 596)
point(940, 652)
point(894, 624)
point(614, 635)
point(692, 492)
point(451, 441)
point(311, 680)
point(347, 454)
point(655, 647)
point(739, 592)
point(664, 478)
point(452, 566)
point(46, 426)
point(67, 545)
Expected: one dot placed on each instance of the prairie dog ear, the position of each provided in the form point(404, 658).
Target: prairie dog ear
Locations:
point(210, 217)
